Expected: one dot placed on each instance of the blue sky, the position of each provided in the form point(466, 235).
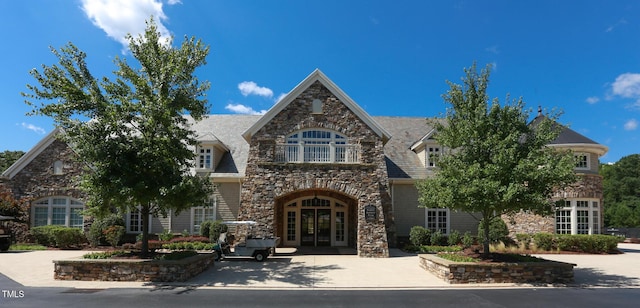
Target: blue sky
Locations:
point(392, 57)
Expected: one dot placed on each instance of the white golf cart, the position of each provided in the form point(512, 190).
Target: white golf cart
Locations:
point(253, 247)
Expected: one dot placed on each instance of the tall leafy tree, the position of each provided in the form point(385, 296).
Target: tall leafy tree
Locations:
point(621, 186)
point(136, 142)
point(7, 158)
point(496, 162)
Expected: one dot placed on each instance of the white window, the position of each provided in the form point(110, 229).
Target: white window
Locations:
point(59, 210)
point(437, 220)
point(205, 158)
point(433, 153)
point(316, 106)
point(134, 222)
point(582, 161)
point(203, 213)
point(578, 216)
point(57, 167)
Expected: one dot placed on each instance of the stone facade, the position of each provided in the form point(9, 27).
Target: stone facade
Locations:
point(588, 186)
point(37, 179)
point(365, 182)
point(132, 270)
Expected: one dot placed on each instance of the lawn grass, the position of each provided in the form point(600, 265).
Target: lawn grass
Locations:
point(26, 246)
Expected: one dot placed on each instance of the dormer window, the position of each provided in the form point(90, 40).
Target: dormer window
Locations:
point(433, 155)
point(205, 157)
point(582, 161)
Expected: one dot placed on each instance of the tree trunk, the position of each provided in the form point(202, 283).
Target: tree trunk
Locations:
point(144, 250)
point(485, 243)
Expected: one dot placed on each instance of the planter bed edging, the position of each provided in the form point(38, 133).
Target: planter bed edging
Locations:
point(519, 272)
point(132, 270)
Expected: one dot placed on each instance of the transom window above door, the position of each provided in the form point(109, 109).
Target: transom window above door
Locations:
point(317, 146)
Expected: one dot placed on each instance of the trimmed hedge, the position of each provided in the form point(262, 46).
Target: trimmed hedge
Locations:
point(587, 243)
point(58, 236)
point(595, 243)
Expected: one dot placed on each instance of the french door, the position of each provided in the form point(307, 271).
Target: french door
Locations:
point(315, 227)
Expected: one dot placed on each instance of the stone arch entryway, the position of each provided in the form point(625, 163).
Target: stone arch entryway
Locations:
point(316, 217)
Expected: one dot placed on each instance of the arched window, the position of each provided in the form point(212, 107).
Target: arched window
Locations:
point(58, 210)
point(317, 146)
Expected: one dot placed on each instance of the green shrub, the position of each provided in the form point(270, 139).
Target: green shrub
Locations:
point(438, 239)
point(217, 228)
point(454, 238)
point(456, 257)
point(43, 235)
point(58, 236)
point(524, 240)
point(176, 255)
point(113, 234)
point(498, 231)
point(104, 255)
point(205, 228)
point(419, 235)
point(544, 241)
point(188, 246)
point(437, 249)
point(165, 235)
point(96, 234)
point(66, 237)
point(467, 240)
point(587, 243)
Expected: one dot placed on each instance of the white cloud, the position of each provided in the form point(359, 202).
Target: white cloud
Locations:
point(592, 99)
point(493, 49)
point(627, 85)
point(631, 125)
point(617, 24)
point(242, 109)
point(280, 97)
point(251, 88)
point(32, 127)
point(120, 17)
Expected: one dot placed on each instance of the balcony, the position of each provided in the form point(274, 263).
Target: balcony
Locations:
point(329, 153)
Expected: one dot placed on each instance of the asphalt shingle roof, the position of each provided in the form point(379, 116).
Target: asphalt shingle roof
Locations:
point(401, 161)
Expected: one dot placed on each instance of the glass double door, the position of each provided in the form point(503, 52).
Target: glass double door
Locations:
point(315, 227)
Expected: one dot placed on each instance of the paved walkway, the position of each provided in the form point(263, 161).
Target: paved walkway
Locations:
point(291, 271)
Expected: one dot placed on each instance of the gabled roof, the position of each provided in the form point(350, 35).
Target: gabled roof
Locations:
point(31, 154)
point(317, 75)
point(422, 142)
point(211, 139)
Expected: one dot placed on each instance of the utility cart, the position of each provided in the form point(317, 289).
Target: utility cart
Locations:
point(258, 248)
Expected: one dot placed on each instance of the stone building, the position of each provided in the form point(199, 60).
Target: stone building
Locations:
point(315, 170)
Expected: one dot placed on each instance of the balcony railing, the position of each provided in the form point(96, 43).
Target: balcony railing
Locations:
point(317, 153)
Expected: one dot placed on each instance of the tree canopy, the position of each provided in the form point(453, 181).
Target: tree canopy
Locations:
point(621, 186)
point(131, 132)
point(496, 161)
point(7, 158)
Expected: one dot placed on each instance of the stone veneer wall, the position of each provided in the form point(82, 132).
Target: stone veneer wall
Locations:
point(365, 182)
point(521, 272)
point(132, 270)
point(37, 180)
point(588, 186)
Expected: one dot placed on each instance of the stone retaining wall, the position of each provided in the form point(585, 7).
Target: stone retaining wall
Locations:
point(132, 270)
point(521, 272)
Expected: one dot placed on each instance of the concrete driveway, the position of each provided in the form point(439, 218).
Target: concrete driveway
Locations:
point(292, 271)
